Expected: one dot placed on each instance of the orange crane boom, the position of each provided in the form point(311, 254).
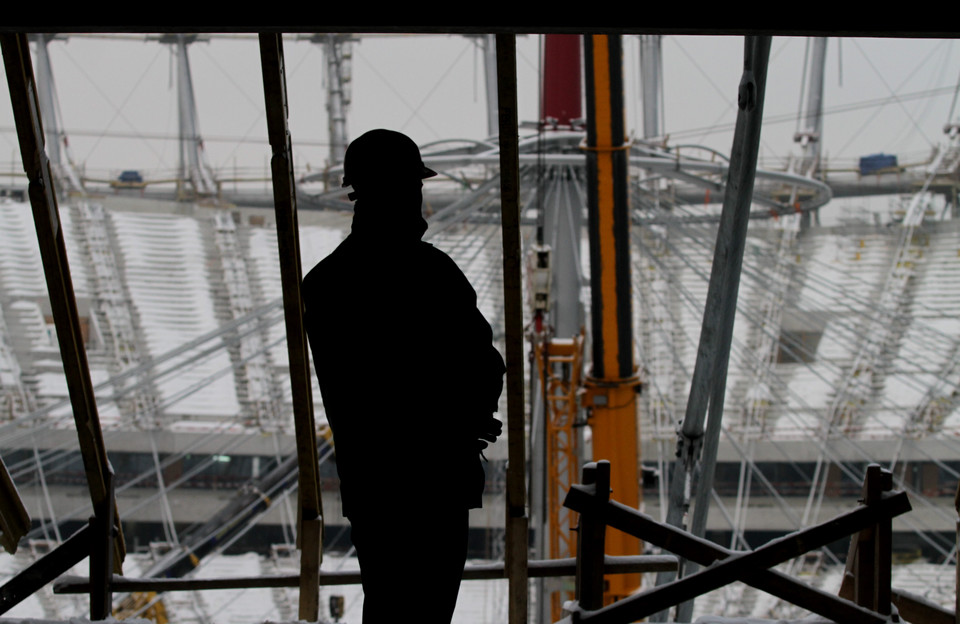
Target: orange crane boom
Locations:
point(613, 383)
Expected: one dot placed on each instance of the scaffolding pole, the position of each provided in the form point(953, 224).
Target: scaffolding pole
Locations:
point(310, 530)
point(516, 511)
point(53, 254)
point(697, 448)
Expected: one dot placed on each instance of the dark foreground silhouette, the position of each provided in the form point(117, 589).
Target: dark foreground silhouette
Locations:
point(410, 380)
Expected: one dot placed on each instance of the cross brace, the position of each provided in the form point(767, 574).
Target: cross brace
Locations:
point(750, 567)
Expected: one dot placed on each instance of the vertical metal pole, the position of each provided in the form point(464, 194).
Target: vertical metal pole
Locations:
point(809, 136)
point(310, 534)
point(563, 224)
point(516, 520)
point(812, 115)
point(490, 80)
point(612, 384)
point(336, 49)
point(67, 176)
point(651, 79)
point(713, 355)
point(189, 163)
point(48, 110)
point(193, 164)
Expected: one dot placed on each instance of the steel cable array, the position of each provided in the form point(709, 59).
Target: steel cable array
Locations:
point(948, 552)
point(696, 306)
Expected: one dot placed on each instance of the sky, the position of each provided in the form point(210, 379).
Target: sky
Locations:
point(118, 98)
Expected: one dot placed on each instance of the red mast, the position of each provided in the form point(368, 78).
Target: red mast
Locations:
point(561, 103)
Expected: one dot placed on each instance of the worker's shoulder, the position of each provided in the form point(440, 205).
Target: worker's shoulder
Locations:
point(446, 274)
point(318, 273)
point(438, 257)
point(329, 267)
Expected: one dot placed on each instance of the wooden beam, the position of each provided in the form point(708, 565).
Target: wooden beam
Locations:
point(547, 568)
point(919, 610)
point(516, 508)
point(56, 269)
point(861, 575)
point(705, 552)
point(741, 567)
point(101, 556)
point(592, 532)
point(14, 519)
point(310, 516)
point(68, 554)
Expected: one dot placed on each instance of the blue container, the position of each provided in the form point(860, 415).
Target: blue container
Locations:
point(877, 162)
point(130, 176)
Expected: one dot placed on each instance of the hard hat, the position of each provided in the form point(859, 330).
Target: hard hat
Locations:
point(383, 155)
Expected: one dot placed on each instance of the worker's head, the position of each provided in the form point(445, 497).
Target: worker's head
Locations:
point(382, 162)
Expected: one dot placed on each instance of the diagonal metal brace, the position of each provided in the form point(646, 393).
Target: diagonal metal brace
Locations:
point(96, 540)
point(750, 567)
point(56, 562)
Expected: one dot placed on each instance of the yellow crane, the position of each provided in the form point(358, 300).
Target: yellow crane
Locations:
point(609, 388)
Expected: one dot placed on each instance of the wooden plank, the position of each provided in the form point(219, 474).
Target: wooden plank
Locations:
point(311, 536)
point(14, 519)
point(919, 610)
point(744, 566)
point(846, 583)
point(882, 542)
point(516, 508)
point(547, 568)
point(867, 573)
point(592, 537)
point(101, 557)
point(310, 512)
point(56, 269)
point(865, 562)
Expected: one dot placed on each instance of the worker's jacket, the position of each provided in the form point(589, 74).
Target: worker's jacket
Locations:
point(406, 366)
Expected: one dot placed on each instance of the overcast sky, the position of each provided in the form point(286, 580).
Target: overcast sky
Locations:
point(118, 97)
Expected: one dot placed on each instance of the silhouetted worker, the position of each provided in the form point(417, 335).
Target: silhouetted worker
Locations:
point(410, 381)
